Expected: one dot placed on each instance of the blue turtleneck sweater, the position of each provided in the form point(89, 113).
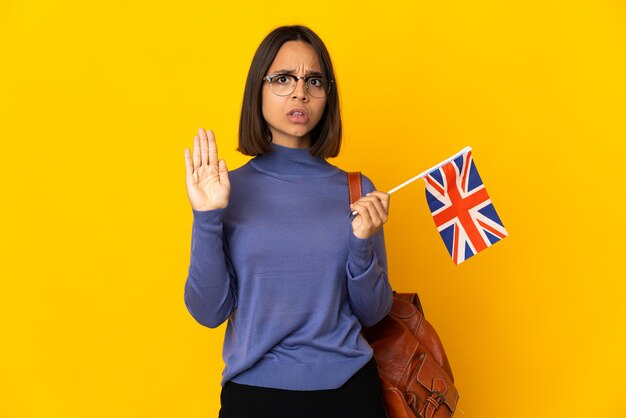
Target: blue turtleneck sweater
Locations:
point(282, 265)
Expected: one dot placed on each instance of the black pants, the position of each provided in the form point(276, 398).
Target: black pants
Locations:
point(359, 397)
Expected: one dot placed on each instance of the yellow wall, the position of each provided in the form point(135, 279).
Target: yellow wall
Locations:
point(98, 101)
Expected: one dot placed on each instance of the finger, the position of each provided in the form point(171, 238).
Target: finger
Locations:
point(385, 198)
point(366, 219)
point(223, 173)
point(372, 202)
point(188, 163)
point(212, 148)
point(204, 147)
point(374, 216)
point(196, 151)
point(378, 205)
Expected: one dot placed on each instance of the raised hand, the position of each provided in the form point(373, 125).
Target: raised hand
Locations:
point(372, 211)
point(207, 181)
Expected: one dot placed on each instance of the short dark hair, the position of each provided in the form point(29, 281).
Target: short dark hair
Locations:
point(254, 134)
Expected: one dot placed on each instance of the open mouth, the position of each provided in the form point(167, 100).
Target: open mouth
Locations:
point(298, 116)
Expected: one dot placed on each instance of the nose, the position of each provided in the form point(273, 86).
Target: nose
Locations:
point(301, 90)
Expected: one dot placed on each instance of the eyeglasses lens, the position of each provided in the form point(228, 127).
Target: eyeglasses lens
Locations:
point(283, 85)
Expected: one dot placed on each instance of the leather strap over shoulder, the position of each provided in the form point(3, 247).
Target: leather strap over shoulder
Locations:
point(354, 186)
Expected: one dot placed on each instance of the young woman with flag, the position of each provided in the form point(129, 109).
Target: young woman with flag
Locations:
point(277, 253)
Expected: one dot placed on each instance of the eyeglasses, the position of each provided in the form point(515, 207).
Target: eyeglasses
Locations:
point(285, 84)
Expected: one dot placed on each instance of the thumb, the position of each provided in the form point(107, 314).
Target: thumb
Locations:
point(223, 171)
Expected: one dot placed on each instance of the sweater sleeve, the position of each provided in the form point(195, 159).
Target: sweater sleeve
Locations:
point(369, 290)
point(210, 289)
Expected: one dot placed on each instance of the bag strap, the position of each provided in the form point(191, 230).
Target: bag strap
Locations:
point(355, 187)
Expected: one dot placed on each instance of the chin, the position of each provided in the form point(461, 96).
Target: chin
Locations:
point(299, 132)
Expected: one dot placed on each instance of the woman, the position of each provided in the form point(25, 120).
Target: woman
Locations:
point(276, 251)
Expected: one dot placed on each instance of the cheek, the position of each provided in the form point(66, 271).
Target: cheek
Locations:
point(320, 111)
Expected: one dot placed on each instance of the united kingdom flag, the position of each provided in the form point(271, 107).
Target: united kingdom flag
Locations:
point(462, 209)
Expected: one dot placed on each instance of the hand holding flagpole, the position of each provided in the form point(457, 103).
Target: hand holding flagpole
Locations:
point(460, 205)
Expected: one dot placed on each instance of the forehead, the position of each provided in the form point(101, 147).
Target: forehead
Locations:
point(297, 56)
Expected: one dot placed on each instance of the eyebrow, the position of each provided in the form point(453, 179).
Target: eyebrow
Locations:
point(287, 71)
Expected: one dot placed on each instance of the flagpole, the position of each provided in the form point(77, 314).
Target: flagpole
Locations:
point(422, 174)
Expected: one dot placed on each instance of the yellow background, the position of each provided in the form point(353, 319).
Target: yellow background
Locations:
point(98, 101)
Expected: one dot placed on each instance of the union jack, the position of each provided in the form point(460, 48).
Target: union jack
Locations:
point(461, 208)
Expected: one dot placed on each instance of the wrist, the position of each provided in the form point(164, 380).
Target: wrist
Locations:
point(207, 208)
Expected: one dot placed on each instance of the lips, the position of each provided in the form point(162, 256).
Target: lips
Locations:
point(298, 115)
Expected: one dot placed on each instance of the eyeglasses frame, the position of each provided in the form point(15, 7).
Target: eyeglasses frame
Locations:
point(306, 78)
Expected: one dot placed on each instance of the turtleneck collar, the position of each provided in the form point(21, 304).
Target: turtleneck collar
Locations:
point(292, 162)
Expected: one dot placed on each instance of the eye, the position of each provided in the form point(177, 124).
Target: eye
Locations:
point(316, 82)
point(282, 79)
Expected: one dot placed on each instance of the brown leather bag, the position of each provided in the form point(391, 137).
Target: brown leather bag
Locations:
point(415, 375)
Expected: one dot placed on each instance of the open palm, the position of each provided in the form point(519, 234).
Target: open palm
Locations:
point(207, 181)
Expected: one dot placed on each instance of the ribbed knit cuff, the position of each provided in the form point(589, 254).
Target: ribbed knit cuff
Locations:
point(207, 226)
point(360, 254)
point(208, 216)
